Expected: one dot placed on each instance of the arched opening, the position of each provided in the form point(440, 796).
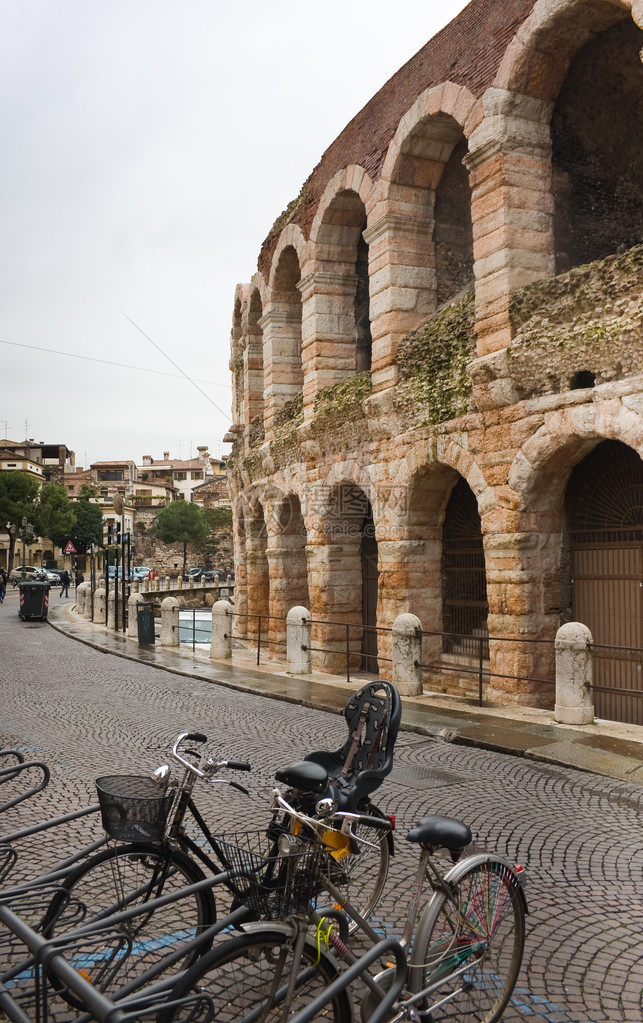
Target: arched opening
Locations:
point(253, 367)
point(597, 155)
point(257, 573)
point(453, 231)
point(288, 568)
point(284, 371)
point(604, 555)
point(344, 585)
point(464, 582)
point(343, 292)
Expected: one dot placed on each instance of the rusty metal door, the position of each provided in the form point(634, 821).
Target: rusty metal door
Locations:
point(607, 596)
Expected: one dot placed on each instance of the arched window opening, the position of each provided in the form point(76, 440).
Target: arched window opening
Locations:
point(453, 232)
point(464, 582)
point(604, 519)
point(286, 298)
point(362, 308)
point(597, 155)
point(254, 372)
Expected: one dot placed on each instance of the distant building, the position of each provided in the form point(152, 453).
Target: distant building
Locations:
point(183, 474)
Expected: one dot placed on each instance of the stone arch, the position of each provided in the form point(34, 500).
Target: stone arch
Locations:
point(282, 337)
point(257, 569)
point(350, 179)
point(291, 236)
point(537, 58)
point(286, 553)
point(253, 362)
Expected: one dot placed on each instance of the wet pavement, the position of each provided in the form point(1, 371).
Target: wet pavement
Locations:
point(88, 704)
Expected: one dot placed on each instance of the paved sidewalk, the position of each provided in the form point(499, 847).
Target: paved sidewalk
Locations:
point(606, 748)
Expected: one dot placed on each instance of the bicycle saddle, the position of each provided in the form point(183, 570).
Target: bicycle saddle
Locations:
point(305, 776)
point(443, 832)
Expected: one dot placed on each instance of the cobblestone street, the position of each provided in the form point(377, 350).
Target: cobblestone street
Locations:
point(88, 713)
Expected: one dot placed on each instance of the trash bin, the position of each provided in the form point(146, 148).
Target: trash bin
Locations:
point(34, 600)
point(145, 623)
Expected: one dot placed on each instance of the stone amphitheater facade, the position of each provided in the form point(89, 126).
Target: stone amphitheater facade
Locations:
point(437, 390)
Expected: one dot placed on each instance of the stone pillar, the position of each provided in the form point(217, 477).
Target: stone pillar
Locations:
point(283, 378)
point(511, 206)
point(329, 346)
point(574, 704)
point(402, 287)
point(87, 610)
point(82, 595)
point(298, 641)
point(221, 641)
point(136, 585)
point(334, 574)
point(99, 604)
point(168, 583)
point(132, 618)
point(170, 621)
point(111, 609)
point(407, 655)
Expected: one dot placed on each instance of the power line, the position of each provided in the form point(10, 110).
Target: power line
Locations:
point(106, 362)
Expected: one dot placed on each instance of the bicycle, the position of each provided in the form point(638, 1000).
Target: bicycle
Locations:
point(157, 857)
point(465, 946)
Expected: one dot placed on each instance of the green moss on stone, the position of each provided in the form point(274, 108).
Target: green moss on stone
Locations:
point(341, 403)
point(434, 358)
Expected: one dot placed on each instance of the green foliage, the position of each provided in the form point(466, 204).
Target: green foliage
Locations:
point(54, 514)
point(18, 495)
point(434, 360)
point(87, 493)
point(87, 528)
point(181, 522)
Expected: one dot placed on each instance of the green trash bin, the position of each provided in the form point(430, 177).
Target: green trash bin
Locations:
point(34, 600)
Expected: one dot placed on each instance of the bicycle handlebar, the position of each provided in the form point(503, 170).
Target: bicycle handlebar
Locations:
point(212, 765)
point(347, 818)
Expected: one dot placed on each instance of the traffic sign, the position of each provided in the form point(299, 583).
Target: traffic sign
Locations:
point(69, 548)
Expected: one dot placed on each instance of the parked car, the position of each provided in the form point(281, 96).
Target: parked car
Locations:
point(194, 573)
point(30, 572)
point(112, 571)
point(141, 572)
point(52, 575)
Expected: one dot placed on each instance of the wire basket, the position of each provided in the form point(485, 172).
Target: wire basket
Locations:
point(274, 886)
point(133, 807)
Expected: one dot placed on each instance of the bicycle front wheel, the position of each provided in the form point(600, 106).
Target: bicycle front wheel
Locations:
point(122, 878)
point(247, 978)
point(470, 946)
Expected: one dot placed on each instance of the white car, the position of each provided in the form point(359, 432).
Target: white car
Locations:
point(30, 572)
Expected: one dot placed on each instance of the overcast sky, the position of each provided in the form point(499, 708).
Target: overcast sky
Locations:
point(147, 148)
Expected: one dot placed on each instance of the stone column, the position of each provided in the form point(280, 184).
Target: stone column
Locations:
point(82, 594)
point(402, 287)
point(111, 609)
point(512, 207)
point(574, 703)
point(283, 378)
point(407, 655)
point(329, 346)
point(221, 641)
point(170, 621)
point(298, 641)
point(99, 603)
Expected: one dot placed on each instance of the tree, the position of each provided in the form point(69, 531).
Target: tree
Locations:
point(88, 525)
point(18, 494)
point(54, 514)
point(181, 522)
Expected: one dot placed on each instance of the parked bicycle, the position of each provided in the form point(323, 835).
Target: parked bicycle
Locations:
point(465, 946)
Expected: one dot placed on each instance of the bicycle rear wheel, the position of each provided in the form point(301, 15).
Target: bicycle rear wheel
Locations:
point(246, 978)
point(481, 933)
point(122, 878)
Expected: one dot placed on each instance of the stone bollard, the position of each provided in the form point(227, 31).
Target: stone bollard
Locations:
point(221, 639)
point(132, 617)
point(407, 655)
point(169, 621)
point(574, 703)
point(87, 610)
point(298, 631)
point(179, 583)
point(111, 609)
point(82, 594)
point(136, 585)
point(168, 583)
point(99, 603)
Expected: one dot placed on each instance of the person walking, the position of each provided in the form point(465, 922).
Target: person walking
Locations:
point(3, 585)
point(65, 580)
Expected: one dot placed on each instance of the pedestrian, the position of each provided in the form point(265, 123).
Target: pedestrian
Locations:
point(3, 585)
point(65, 580)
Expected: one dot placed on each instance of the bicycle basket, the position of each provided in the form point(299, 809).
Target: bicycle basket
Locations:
point(274, 886)
point(134, 808)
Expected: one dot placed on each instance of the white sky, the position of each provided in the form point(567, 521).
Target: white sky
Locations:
point(147, 148)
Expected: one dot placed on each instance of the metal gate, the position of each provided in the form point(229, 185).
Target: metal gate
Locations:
point(464, 580)
point(370, 576)
point(605, 513)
